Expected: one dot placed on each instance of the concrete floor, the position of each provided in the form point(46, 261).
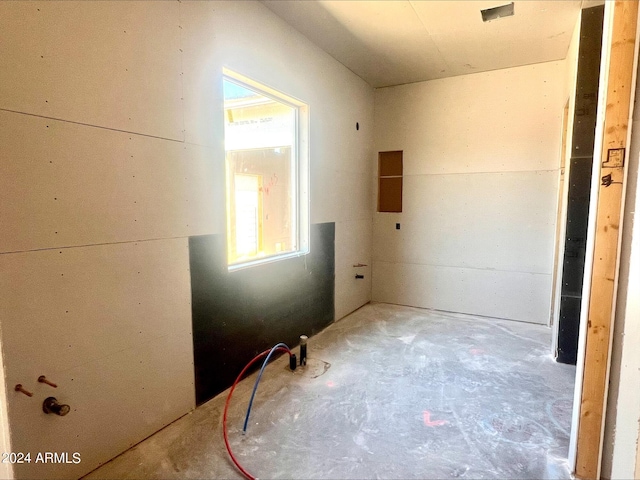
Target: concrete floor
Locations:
point(389, 392)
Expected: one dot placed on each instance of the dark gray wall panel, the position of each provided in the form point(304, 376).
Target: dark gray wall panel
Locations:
point(584, 126)
point(238, 314)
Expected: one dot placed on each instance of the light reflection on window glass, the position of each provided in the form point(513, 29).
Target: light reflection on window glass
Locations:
point(260, 135)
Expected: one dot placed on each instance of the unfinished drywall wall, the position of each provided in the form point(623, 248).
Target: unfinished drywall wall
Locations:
point(481, 165)
point(273, 53)
point(113, 158)
point(110, 325)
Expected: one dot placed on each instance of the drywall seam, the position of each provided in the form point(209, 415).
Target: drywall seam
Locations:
point(487, 269)
point(91, 125)
point(500, 172)
point(180, 42)
point(515, 296)
point(465, 74)
point(195, 144)
point(470, 315)
point(95, 244)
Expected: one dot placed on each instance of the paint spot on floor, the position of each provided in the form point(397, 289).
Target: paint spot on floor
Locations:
point(432, 423)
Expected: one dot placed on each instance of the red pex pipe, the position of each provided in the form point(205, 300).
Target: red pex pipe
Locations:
point(226, 408)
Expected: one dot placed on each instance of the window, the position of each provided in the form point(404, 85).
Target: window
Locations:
point(266, 173)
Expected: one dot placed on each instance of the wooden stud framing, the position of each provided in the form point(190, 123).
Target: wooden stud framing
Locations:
point(603, 276)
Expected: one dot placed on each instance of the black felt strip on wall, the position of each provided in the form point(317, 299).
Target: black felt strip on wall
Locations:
point(580, 182)
point(238, 314)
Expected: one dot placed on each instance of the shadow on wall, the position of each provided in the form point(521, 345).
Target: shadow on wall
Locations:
point(238, 314)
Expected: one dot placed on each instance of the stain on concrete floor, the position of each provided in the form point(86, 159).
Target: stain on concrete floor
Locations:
point(410, 393)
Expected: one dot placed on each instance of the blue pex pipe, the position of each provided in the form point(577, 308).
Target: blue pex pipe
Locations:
point(255, 387)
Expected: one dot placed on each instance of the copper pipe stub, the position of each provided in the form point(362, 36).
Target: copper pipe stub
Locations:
point(20, 389)
point(43, 379)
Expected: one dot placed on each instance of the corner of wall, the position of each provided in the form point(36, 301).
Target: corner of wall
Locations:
point(453, 166)
point(6, 470)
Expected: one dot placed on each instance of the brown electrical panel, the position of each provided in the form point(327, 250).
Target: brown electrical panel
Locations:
point(390, 181)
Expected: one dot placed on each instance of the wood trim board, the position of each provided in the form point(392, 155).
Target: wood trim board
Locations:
point(606, 243)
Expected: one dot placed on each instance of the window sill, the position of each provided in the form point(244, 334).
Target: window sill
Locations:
point(265, 260)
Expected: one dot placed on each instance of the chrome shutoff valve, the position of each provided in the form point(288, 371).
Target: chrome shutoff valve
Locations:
point(51, 405)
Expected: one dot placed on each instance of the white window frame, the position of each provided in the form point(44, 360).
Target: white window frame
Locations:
point(300, 173)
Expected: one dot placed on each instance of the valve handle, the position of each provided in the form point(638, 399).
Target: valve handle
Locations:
point(51, 405)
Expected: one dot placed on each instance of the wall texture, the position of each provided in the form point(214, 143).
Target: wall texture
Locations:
point(481, 166)
point(112, 157)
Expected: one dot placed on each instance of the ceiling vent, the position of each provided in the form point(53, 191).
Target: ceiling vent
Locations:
point(497, 12)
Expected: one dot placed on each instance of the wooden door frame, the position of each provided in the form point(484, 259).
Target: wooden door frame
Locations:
point(613, 130)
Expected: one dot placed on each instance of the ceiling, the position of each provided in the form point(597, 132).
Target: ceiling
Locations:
point(395, 42)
